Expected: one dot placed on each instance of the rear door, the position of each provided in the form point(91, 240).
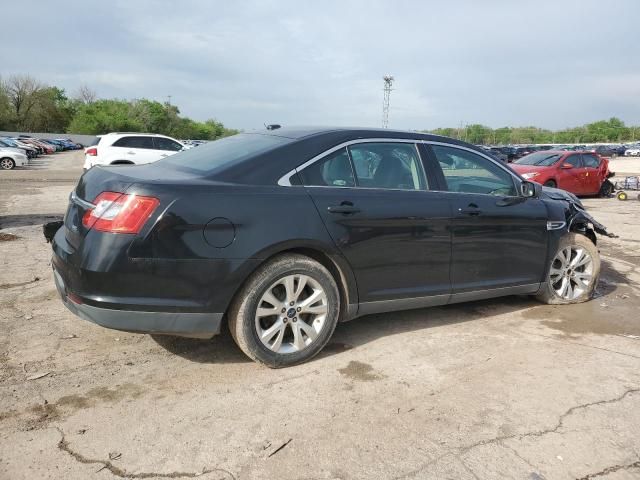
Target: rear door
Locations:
point(499, 238)
point(592, 175)
point(373, 198)
point(163, 147)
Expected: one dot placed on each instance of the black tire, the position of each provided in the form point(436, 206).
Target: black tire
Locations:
point(551, 183)
point(622, 196)
point(606, 189)
point(549, 295)
point(242, 312)
point(7, 163)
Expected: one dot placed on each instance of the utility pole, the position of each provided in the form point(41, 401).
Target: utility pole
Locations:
point(388, 82)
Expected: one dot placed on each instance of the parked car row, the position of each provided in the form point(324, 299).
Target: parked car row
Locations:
point(13, 149)
point(514, 152)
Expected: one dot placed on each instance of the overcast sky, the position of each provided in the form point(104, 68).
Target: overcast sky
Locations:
point(545, 63)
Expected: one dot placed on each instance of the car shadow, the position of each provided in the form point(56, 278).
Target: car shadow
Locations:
point(363, 330)
point(219, 349)
point(222, 349)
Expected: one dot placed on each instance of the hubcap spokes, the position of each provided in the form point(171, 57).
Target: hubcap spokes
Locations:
point(291, 314)
point(571, 272)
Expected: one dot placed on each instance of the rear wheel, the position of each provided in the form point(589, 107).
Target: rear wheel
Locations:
point(574, 272)
point(551, 183)
point(286, 312)
point(7, 163)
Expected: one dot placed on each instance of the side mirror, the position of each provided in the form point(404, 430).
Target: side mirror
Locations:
point(530, 189)
point(566, 166)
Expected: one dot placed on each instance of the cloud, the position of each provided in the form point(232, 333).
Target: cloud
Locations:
point(497, 62)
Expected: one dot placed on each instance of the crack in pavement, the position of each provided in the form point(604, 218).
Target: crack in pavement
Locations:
point(612, 469)
point(63, 445)
point(537, 433)
point(559, 424)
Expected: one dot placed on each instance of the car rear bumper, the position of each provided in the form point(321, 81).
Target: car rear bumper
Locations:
point(191, 324)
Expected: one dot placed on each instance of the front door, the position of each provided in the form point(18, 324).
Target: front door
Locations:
point(499, 237)
point(571, 179)
point(374, 201)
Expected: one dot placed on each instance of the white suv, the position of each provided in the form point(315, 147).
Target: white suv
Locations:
point(130, 148)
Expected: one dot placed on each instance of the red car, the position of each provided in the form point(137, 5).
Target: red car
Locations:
point(581, 173)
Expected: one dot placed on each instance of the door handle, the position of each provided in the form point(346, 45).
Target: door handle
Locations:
point(472, 209)
point(164, 155)
point(131, 153)
point(345, 208)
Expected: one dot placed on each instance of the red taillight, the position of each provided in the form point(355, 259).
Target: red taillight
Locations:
point(119, 212)
point(92, 152)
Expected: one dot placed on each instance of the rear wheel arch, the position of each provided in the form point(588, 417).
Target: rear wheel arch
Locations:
point(337, 266)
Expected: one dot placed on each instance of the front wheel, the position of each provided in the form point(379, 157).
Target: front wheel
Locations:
point(550, 183)
point(7, 164)
point(606, 189)
point(574, 272)
point(286, 312)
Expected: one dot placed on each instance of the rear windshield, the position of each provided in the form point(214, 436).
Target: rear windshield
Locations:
point(224, 152)
point(542, 159)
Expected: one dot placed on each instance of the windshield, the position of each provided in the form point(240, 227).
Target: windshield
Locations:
point(221, 153)
point(542, 159)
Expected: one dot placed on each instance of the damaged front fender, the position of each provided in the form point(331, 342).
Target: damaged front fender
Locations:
point(577, 218)
point(580, 220)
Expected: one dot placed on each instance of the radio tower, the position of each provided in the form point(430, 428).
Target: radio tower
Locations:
point(388, 82)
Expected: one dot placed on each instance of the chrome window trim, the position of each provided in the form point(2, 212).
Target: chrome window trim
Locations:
point(285, 180)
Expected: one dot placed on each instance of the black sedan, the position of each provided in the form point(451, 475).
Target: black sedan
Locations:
point(283, 233)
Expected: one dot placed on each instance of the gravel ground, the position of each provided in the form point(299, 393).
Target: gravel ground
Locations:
point(504, 388)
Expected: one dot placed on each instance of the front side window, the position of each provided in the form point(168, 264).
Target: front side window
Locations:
point(162, 143)
point(334, 170)
point(468, 172)
point(388, 165)
point(134, 142)
point(573, 160)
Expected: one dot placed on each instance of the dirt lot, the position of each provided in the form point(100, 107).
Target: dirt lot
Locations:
point(505, 388)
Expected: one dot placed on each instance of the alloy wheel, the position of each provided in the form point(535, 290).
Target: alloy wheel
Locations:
point(291, 313)
point(571, 272)
point(6, 164)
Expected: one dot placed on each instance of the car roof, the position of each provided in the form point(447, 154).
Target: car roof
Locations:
point(300, 132)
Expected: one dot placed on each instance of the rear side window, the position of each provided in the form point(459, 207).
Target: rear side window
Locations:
point(134, 142)
point(334, 170)
point(590, 161)
point(162, 143)
point(209, 157)
point(468, 172)
point(394, 166)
